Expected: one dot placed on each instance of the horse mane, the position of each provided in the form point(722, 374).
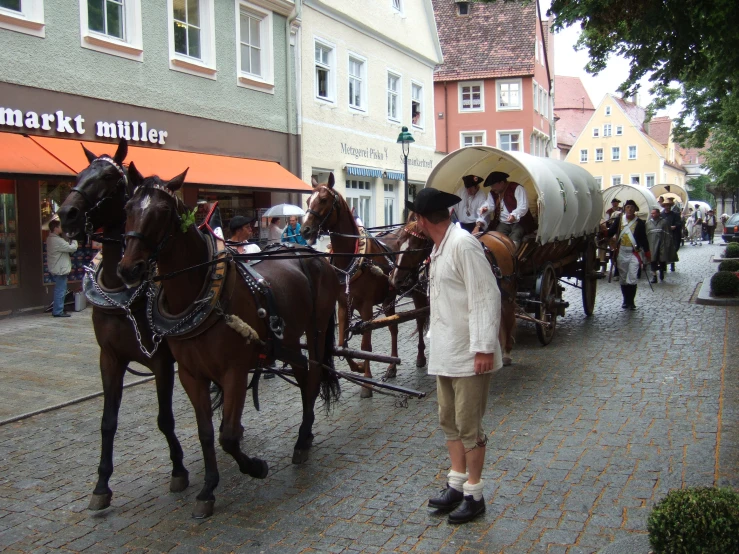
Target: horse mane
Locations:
point(156, 182)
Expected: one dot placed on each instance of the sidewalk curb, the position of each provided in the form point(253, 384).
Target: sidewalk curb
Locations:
point(719, 259)
point(637, 544)
point(705, 297)
point(68, 403)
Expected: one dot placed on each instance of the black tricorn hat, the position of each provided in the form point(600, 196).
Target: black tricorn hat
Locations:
point(238, 221)
point(615, 201)
point(495, 177)
point(431, 200)
point(471, 180)
point(630, 203)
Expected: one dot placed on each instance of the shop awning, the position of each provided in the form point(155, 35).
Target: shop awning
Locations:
point(361, 171)
point(204, 169)
point(395, 175)
point(19, 154)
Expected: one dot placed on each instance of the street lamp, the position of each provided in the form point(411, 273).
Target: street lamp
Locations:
point(405, 138)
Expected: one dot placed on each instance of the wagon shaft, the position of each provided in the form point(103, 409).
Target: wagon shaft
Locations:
point(381, 322)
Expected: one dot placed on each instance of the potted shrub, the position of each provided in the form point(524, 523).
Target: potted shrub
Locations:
point(732, 250)
point(695, 520)
point(725, 283)
point(729, 265)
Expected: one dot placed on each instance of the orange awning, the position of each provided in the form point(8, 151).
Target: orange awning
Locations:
point(19, 154)
point(204, 169)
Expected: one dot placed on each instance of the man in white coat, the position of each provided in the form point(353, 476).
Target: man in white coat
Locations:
point(465, 318)
point(59, 264)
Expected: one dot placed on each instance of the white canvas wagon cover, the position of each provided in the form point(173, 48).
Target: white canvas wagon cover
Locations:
point(563, 198)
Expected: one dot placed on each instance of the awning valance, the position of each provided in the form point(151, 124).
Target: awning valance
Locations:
point(204, 169)
point(395, 175)
point(361, 171)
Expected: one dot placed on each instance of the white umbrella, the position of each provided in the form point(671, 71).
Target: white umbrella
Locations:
point(284, 210)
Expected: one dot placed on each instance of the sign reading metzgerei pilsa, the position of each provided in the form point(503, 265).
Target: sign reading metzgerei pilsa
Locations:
point(59, 123)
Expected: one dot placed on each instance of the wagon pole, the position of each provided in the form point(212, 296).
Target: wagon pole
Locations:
point(362, 326)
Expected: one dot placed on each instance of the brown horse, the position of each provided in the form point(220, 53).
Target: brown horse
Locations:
point(98, 200)
point(367, 277)
point(501, 253)
point(244, 327)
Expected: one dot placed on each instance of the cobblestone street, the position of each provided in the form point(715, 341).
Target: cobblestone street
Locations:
point(586, 435)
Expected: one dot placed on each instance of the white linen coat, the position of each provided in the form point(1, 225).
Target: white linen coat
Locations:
point(465, 306)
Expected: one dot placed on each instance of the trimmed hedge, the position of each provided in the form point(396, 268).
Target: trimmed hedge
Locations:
point(732, 250)
point(729, 265)
point(725, 283)
point(696, 520)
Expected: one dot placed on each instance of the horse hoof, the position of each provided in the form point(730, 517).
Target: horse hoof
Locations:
point(261, 470)
point(100, 501)
point(421, 362)
point(365, 393)
point(391, 372)
point(507, 360)
point(300, 456)
point(179, 483)
point(203, 509)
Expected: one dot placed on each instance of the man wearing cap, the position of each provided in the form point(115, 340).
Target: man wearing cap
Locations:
point(241, 232)
point(675, 225)
point(472, 198)
point(632, 250)
point(509, 205)
point(464, 324)
point(614, 210)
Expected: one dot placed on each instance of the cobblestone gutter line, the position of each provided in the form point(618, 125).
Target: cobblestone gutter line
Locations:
point(68, 403)
point(722, 390)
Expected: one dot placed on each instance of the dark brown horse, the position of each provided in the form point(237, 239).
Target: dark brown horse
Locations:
point(367, 276)
point(236, 335)
point(98, 200)
point(500, 251)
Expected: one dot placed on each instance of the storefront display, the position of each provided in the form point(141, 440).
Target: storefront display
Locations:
point(8, 244)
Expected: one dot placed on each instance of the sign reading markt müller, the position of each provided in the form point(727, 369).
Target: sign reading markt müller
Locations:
point(377, 155)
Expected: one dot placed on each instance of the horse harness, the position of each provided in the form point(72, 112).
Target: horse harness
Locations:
point(120, 185)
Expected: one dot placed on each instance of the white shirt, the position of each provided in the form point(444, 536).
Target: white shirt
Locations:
point(465, 306)
point(468, 209)
point(58, 250)
point(249, 249)
point(275, 232)
point(522, 206)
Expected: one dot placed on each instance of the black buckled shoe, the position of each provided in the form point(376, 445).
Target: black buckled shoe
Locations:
point(448, 499)
point(468, 510)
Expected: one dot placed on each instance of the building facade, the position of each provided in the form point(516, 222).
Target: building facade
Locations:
point(572, 111)
point(495, 86)
point(361, 82)
point(206, 84)
point(617, 147)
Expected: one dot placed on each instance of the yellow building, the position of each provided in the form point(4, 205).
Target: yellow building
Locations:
point(618, 147)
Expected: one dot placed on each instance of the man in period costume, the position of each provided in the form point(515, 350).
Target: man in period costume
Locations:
point(632, 250)
point(470, 202)
point(241, 232)
point(464, 324)
point(661, 246)
point(509, 205)
point(671, 214)
point(614, 210)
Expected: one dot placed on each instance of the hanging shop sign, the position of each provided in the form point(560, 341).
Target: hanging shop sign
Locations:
point(61, 123)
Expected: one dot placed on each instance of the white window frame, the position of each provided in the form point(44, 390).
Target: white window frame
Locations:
point(206, 65)
point(629, 152)
point(608, 110)
point(498, 83)
point(598, 180)
point(422, 119)
point(266, 81)
point(583, 151)
point(472, 134)
point(460, 91)
point(638, 177)
point(536, 97)
point(615, 150)
point(646, 179)
point(398, 93)
point(507, 132)
point(544, 103)
point(352, 193)
point(331, 66)
point(393, 195)
point(397, 6)
point(613, 180)
point(363, 103)
point(607, 130)
point(599, 150)
point(619, 130)
point(29, 21)
point(596, 132)
point(130, 47)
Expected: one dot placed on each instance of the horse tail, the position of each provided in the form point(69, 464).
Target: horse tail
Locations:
point(330, 388)
point(216, 397)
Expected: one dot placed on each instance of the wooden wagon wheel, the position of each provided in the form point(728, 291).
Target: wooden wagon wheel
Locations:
point(589, 280)
point(547, 292)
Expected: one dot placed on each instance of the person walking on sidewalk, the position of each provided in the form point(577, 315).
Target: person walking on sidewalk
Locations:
point(710, 224)
point(632, 251)
point(59, 264)
point(464, 323)
point(659, 237)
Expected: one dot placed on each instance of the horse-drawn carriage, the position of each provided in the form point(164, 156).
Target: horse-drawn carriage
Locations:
point(567, 205)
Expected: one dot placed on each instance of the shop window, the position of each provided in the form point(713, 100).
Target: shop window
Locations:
point(192, 37)
point(359, 197)
point(254, 50)
point(23, 16)
point(393, 97)
point(417, 105)
point(112, 27)
point(8, 243)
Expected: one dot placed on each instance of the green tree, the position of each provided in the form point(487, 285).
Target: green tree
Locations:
point(698, 191)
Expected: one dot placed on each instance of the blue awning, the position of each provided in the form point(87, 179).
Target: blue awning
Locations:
point(395, 175)
point(360, 171)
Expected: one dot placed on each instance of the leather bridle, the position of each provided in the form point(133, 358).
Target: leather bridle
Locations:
point(335, 204)
point(174, 221)
point(91, 204)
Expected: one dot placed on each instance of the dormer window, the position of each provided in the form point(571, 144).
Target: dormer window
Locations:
point(463, 8)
